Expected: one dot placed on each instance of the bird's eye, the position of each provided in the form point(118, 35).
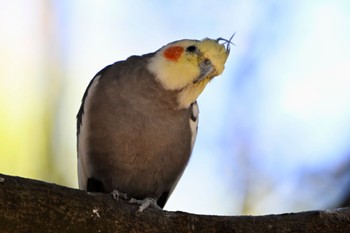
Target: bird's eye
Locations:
point(191, 48)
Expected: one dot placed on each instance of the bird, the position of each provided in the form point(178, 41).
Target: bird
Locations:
point(138, 120)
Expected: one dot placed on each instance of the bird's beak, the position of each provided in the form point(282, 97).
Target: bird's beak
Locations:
point(206, 70)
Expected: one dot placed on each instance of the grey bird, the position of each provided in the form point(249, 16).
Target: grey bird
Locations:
point(137, 123)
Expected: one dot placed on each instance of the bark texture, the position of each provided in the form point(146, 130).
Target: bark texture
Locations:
point(34, 206)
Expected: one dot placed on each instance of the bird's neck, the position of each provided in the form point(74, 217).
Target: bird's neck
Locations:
point(190, 93)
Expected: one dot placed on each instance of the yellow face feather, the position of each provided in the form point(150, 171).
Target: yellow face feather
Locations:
point(187, 66)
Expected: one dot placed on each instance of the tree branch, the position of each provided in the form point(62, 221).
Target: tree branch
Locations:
point(34, 206)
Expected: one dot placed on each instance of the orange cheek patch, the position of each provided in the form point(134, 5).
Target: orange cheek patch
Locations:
point(173, 53)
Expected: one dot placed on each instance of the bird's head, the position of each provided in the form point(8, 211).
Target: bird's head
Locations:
point(188, 65)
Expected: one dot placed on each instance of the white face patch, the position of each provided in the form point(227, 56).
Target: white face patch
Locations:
point(188, 66)
point(173, 67)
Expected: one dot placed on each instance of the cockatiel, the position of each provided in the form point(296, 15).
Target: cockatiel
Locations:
point(137, 123)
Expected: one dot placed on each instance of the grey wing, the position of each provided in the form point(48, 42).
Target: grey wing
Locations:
point(83, 173)
point(194, 129)
point(194, 122)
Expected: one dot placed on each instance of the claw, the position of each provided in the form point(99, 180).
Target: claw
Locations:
point(145, 203)
point(116, 195)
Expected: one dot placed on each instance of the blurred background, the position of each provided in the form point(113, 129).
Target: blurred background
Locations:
point(274, 132)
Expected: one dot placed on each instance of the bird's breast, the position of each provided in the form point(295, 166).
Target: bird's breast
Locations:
point(144, 147)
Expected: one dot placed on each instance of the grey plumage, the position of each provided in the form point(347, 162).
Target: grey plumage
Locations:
point(131, 136)
point(138, 120)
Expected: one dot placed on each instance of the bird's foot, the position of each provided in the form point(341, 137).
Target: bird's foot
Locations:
point(145, 203)
point(116, 195)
